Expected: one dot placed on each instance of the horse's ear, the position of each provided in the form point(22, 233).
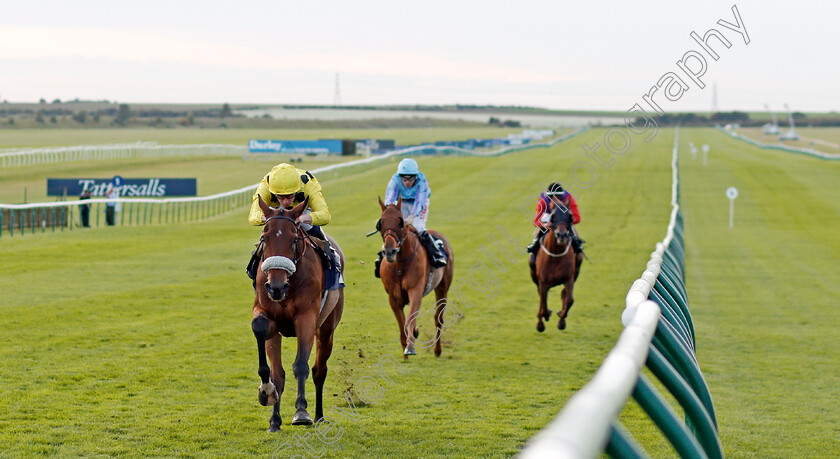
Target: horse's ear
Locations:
point(381, 204)
point(399, 203)
point(295, 213)
point(266, 209)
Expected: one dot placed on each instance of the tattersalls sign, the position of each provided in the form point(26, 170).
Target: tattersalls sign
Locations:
point(132, 187)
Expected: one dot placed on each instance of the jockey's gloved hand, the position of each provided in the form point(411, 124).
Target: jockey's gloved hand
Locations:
point(409, 220)
point(305, 218)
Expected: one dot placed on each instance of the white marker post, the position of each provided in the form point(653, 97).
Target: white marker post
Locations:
point(705, 151)
point(693, 153)
point(731, 193)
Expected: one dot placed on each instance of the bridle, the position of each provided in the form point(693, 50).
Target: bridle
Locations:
point(390, 232)
point(559, 237)
point(398, 239)
point(300, 235)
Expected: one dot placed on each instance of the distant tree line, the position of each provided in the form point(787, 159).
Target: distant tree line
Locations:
point(506, 123)
point(118, 115)
point(742, 118)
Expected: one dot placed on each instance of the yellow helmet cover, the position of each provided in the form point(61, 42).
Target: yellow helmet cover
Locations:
point(284, 179)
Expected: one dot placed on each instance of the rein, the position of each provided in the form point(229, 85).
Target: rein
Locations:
point(568, 244)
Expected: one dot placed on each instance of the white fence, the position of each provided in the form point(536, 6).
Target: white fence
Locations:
point(31, 157)
point(789, 149)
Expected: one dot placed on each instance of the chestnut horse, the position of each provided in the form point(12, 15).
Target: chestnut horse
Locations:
point(288, 303)
point(406, 272)
point(556, 264)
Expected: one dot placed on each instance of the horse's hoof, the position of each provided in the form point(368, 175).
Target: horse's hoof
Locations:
point(437, 352)
point(273, 429)
point(268, 395)
point(409, 351)
point(302, 418)
point(561, 325)
point(540, 327)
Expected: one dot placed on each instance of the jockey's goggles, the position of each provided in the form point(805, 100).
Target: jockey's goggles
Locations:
point(408, 177)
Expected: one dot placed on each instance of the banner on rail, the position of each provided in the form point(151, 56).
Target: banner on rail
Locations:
point(295, 146)
point(136, 187)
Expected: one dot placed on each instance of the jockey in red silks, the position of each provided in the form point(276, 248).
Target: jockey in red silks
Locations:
point(554, 194)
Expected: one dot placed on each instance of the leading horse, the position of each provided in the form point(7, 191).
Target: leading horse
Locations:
point(556, 264)
point(288, 302)
point(407, 275)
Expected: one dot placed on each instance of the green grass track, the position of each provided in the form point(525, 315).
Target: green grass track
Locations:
point(136, 341)
point(764, 294)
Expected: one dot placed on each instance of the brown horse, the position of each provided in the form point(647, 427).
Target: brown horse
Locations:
point(556, 264)
point(407, 275)
point(288, 303)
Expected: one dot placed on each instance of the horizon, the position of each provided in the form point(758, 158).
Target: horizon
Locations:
point(403, 106)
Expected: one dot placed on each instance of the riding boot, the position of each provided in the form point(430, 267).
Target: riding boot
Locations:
point(577, 244)
point(532, 247)
point(254, 264)
point(377, 264)
point(436, 255)
point(329, 255)
point(535, 246)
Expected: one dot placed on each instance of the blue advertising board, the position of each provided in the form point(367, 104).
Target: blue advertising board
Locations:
point(136, 187)
point(295, 146)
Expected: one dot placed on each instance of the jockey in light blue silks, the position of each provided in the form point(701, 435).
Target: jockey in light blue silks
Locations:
point(410, 184)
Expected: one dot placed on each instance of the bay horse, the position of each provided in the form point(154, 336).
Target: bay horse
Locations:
point(288, 303)
point(556, 264)
point(407, 275)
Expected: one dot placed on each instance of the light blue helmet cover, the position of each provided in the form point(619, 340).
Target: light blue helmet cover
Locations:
point(408, 166)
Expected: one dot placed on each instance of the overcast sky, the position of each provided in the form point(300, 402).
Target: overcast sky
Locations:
point(555, 54)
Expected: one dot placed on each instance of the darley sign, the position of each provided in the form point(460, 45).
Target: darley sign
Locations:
point(140, 188)
point(294, 146)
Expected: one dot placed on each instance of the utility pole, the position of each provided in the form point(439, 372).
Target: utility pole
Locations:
point(337, 95)
point(715, 108)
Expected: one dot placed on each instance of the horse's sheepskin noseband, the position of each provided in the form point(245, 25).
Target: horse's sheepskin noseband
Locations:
point(278, 263)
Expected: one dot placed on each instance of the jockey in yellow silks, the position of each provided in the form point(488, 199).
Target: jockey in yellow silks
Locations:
point(291, 185)
point(287, 186)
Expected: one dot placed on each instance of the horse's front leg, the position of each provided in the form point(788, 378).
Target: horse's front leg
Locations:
point(439, 312)
point(568, 299)
point(262, 328)
point(544, 312)
point(319, 369)
point(415, 297)
point(397, 306)
point(278, 377)
point(305, 331)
